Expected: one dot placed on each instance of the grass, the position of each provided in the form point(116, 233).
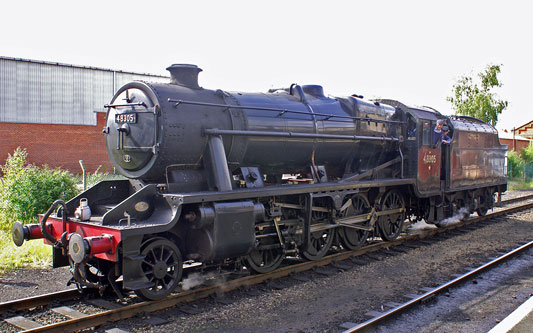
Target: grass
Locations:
point(519, 184)
point(33, 254)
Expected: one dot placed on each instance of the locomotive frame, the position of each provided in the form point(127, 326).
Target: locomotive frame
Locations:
point(211, 198)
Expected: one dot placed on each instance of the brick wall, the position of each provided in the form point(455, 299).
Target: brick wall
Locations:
point(518, 144)
point(57, 145)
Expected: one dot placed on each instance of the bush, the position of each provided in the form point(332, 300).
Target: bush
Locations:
point(527, 154)
point(27, 190)
point(515, 165)
point(97, 176)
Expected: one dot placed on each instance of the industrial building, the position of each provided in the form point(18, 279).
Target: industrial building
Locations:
point(56, 111)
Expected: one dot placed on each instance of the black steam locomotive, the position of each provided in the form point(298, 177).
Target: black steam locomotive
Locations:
point(230, 178)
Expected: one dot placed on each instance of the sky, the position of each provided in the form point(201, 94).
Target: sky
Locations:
point(411, 51)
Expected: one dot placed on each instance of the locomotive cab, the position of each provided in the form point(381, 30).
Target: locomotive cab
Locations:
point(425, 155)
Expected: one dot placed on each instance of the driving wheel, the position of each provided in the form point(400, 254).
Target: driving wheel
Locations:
point(390, 226)
point(351, 237)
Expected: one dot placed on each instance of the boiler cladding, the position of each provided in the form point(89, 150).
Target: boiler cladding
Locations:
point(155, 130)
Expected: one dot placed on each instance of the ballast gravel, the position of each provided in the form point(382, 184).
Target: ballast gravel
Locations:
point(320, 304)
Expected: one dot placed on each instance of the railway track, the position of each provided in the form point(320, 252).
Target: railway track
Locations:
point(114, 312)
point(398, 308)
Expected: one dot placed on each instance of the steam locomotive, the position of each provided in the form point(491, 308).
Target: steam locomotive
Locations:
point(217, 178)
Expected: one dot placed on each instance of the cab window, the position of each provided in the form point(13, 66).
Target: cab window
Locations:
point(411, 128)
point(426, 133)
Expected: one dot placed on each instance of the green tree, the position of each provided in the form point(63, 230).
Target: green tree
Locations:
point(477, 99)
point(527, 153)
point(515, 165)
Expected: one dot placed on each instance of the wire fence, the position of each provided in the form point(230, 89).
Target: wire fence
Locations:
point(523, 171)
point(528, 171)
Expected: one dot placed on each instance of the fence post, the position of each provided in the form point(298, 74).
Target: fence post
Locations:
point(84, 175)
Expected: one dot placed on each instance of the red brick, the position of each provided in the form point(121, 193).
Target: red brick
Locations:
point(57, 145)
point(518, 144)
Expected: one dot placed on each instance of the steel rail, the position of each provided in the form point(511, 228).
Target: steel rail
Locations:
point(191, 295)
point(33, 301)
point(518, 199)
point(196, 294)
point(397, 310)
point(183, 297)
point(46, 299)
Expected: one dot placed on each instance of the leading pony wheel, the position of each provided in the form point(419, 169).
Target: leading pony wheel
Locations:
point(162, 266)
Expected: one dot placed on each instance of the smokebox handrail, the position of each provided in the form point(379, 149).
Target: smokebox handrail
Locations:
point(107, 106)
point(282, 111)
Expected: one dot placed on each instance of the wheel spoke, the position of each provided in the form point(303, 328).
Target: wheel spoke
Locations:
point(162, 252)
point(148, 263)
point(168, 257)
point(264, 257)
point(164, 284)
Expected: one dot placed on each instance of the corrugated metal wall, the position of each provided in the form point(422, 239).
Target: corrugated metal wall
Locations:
point(48, 93)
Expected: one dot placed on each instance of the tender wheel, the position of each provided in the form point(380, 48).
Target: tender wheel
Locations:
point(162, 265)
point(264, 261)
point(484, 202)
point(482, 211)
point(352, 238)
point(319, 244)
point(391, 225)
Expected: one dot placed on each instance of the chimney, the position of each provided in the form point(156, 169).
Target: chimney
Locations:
point(184, 75)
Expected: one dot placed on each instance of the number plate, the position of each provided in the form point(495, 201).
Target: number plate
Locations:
point(129, 118)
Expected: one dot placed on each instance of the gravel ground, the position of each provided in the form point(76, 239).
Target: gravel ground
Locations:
point(476, 306)
point(324, 303)
point(31, 282)
point(320, 304)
